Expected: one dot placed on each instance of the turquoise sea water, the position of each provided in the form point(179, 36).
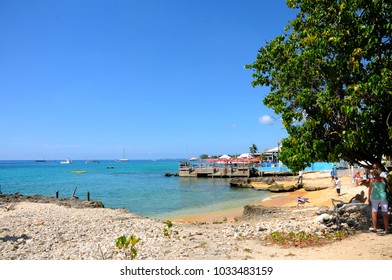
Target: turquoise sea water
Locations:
point(137, 185)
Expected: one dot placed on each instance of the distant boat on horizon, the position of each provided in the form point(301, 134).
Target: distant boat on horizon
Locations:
point(41, 160)
point(92, 161)
point(67, 161)
point(123, 159)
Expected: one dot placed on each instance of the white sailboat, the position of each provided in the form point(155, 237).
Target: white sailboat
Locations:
point(67, 161)
point(123, 159)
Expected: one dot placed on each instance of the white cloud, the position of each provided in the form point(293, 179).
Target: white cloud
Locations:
point(266, 120)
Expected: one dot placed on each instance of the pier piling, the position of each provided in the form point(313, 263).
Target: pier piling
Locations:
point(73, 195)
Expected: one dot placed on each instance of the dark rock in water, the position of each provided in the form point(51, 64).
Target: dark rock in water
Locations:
point(241, 183)
point(171, 174)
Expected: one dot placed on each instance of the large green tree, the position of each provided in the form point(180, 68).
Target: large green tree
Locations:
point(330, 78)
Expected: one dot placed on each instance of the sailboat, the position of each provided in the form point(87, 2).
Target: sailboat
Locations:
point(123, 159)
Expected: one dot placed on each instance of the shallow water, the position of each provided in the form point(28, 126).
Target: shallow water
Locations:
point(137, 185)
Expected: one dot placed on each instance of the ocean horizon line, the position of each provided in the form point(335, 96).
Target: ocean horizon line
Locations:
point(93, 159)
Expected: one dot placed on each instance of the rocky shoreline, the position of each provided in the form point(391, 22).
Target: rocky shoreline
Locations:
point(35, 227)
point(8, 200)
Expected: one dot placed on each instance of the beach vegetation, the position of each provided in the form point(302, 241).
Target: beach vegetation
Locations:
point(167, 231)
point(304, 239)
point(124, 243)
point(330, 79)
point(247, 250)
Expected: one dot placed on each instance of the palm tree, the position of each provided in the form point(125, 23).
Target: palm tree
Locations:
point(253, 149)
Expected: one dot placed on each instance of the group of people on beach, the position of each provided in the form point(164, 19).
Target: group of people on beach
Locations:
point(376, 182)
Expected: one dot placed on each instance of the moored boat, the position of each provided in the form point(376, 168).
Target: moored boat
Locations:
point(123, 159)
point(92, 161)
point(79, 171)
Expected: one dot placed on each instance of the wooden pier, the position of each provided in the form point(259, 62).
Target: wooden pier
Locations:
point(229, 171)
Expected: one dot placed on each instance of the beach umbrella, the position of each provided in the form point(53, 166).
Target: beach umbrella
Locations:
point(224, 157)
point(193, 158)
point(223, 160)
point(246, 155)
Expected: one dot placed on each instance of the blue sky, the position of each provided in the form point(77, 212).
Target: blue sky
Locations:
point(162, 79)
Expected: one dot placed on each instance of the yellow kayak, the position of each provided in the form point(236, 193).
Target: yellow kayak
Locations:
point(79, 171)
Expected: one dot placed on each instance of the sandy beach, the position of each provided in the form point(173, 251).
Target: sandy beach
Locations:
point(289, 199)
point(45, 231)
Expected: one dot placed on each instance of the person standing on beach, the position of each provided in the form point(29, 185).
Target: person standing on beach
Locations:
point(338, 185)
point(301, 172)
point(378, 196)
point(358, 178)
point(333, 174)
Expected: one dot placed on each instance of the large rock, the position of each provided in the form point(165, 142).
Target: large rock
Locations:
point(241, 183)
point(259, 210)
point(72, 202)
point(314, 188)
point(268, 184)
point(247, 182)
point(351, 215)
point(276, 187)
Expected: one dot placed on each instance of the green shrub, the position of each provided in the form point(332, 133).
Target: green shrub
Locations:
point(167, 230)
point(304, 239)
point(124, 243)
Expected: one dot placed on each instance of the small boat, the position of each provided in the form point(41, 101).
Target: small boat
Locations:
point(93, 161)
point(109, 167)
point(123, 159)
point(79, 171)
point(67, 161)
